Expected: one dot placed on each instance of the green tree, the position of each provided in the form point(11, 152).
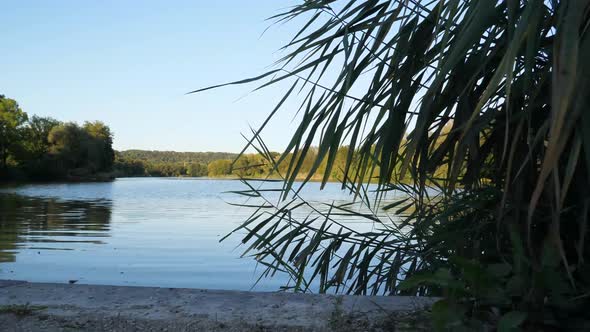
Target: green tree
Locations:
point(37, 133)
point(173, 156)
point(129, 167)
point(12, 119)
point(220, 167)
point(100, 145)
point(68, 143)
point(196, 169)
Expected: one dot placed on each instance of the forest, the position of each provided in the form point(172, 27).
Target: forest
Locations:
point(43, 148)
point(166, 163)
point(138, 163)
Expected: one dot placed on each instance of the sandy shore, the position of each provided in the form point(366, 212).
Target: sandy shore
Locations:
point(62, 307)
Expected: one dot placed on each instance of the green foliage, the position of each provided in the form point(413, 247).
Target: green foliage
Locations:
point(196, 169)
point(21, 309)
point(12, 119)
point(37, 133)
point(68, 144)
point(174, 157)
point(100, 145)
point(481, 105)
point(216, 164)
point(44, 148)
point(128, 167)
point(166, 163)
point(88, 147)
point(163, 163)
point(220, 167)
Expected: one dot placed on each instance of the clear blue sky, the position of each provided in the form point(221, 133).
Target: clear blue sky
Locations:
point(129, 63)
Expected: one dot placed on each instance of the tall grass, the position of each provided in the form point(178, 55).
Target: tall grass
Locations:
point(484, 106)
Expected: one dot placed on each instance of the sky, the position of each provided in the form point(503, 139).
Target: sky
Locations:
point(130, 64)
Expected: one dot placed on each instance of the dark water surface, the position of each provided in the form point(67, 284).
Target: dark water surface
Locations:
point(143, 232)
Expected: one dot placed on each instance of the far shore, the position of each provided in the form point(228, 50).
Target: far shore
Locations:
point(109, 178)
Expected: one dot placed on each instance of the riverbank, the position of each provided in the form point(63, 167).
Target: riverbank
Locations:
point(108, 177)
point(62, 307)
point(96, 177)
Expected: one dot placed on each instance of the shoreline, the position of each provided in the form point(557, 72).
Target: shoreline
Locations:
point(111, 179)
point(58, 307)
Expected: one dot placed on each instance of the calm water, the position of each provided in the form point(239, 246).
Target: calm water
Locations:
point(141, 232)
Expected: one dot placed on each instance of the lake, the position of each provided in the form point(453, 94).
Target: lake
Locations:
point(133, 231)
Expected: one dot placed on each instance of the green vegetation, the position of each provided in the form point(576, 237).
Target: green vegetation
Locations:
point(222, 167)
point(39, 148)
point(507, 251)
point(42, 148)
point(217, 164)
point(12, 119)
point(20, 309)
point(166, 163)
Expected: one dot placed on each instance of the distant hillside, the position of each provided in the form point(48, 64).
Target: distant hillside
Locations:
point(174, 157)
point(219, 164)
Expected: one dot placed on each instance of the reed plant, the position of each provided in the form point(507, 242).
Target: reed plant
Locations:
point(474, 116)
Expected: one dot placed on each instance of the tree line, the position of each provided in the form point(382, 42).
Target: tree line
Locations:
point(139, 163)
point(43, 148)
point(166, 163)
point(218, 164)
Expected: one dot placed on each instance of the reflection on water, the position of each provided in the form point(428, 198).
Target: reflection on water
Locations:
point(144, 232)
point(46, 224)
